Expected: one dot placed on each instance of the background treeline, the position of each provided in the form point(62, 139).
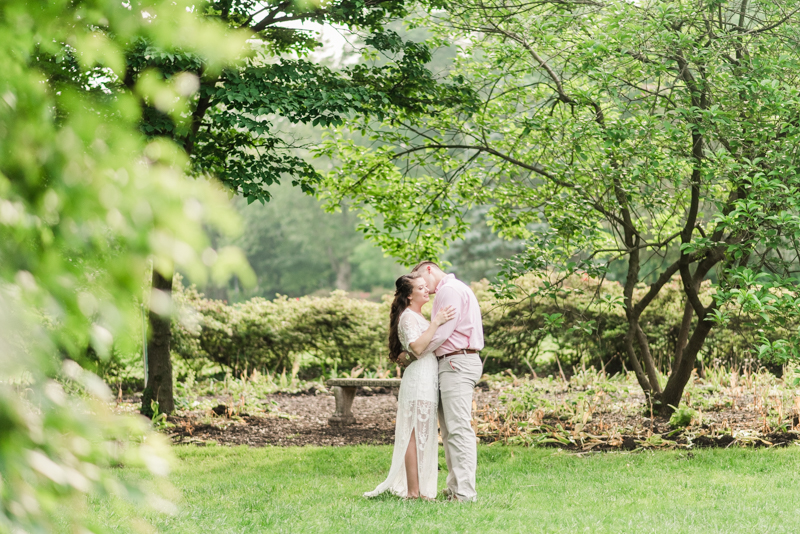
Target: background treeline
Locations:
point(296, 248)
point(311, 336)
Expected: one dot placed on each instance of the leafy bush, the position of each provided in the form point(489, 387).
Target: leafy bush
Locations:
point(334, 331)
point(585, 322)
point(682, 417)
point(588, 325)
point(86, 202)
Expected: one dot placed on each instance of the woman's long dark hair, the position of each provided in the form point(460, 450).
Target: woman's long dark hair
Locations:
point(404, 286)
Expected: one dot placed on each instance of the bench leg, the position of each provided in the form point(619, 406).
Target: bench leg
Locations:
point(344, 403)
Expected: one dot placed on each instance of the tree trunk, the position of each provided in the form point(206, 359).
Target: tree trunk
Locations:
point(680, 376)
point(683, 334)
point(159, 364)
point(343, 274)
point(647, 357)
point(634, 361)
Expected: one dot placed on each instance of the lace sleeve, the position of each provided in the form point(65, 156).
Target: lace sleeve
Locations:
point(408, 330)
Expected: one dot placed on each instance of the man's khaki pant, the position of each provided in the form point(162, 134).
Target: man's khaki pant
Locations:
point(457, 378)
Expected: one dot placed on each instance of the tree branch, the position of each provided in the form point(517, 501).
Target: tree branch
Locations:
point(535, 167)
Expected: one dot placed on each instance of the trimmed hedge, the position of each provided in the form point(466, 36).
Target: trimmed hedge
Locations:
point(270, 335)
point(587, 326)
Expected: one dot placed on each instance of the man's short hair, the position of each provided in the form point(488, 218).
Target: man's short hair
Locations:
point(423, 264)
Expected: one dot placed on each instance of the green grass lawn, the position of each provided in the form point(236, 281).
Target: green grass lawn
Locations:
point(520, 490)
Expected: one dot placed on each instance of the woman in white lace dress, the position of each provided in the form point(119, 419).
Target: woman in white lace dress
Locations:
point(415, 459)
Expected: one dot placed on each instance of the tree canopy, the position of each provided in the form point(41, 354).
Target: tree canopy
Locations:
point(229, 128)
point(662, 135)
point(226, 127)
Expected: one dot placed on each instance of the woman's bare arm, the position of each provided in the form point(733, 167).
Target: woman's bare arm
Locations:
point(418, 345)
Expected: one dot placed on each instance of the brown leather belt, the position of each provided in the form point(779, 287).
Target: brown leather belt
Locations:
point(462, 351)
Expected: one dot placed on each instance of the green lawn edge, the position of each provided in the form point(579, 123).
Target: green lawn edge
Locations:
point(318, 489)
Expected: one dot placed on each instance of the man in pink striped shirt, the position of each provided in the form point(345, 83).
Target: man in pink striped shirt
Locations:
point(457, 345)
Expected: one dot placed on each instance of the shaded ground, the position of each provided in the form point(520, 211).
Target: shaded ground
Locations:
point(301, 420)
point(593, 412)
point(589, 412)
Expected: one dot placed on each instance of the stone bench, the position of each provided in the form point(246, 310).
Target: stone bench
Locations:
point(344, 390)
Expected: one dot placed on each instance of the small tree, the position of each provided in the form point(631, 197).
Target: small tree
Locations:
point(652, 138)
point(227, 128)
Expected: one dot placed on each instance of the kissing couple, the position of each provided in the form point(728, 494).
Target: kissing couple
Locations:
point(442, 365)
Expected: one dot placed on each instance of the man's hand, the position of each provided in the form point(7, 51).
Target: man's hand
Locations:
point(405, 359)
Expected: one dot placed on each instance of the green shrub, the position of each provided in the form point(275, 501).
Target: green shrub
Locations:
point(585, 323)
point(588, 325)
point(335, 331)
point(682, 417)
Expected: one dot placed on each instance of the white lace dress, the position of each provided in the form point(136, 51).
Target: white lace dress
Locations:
point(416, 410)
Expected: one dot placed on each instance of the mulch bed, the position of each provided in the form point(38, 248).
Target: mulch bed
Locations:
point(616, 422)
point(301, 419)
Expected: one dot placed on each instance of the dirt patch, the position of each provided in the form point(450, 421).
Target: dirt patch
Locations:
point(301, 419)
point(597, 415)
point(603, 414)
point(294, 420)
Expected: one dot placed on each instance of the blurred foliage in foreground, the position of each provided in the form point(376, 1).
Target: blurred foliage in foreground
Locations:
point(85, 203)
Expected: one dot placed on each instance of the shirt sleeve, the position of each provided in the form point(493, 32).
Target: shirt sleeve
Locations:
point(445, 297)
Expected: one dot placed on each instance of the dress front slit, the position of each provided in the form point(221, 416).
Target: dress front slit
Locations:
point(417, 403)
